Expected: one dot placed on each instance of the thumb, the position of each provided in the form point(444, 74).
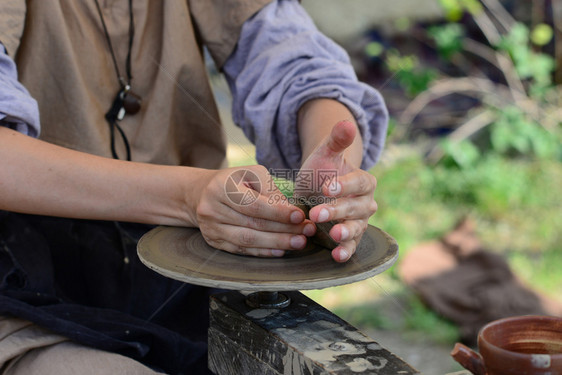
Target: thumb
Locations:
point(342, 136)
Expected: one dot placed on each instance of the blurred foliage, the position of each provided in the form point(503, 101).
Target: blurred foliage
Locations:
point(448, 39)
point(542, 34)
point(537, 67)
point(513, 130)
point(519, 113)
point(422, 320)
point(454, 9)
point(521, 194)
point(407, 70)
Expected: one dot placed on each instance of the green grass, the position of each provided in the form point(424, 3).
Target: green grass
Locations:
point(519, 198)
point(422, 321)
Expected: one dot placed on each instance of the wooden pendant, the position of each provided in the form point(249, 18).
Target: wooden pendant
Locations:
point(131, 103)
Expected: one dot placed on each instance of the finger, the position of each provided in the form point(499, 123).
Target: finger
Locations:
point(262, 253)
point(341, 136)
point(345, 208)
point(348, 229)
point(357, 182)
point(344, 251)
point(223, 244)
point(236, 238)
point(212, 214)
point(252, 192)
point(226, 215)
point(306, 227)
point(265, 207)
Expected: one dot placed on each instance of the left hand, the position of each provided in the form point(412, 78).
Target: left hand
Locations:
point(352, 188)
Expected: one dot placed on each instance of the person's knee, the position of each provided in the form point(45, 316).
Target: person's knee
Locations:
point(68, 358)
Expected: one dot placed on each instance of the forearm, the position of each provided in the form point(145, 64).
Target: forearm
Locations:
point(316, 118)
point(40, 178)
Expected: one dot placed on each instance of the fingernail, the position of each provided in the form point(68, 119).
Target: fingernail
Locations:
point(298, 242)
point(344, 233)
point(344, 255)
point(309, 230)
point(323, 215)
point(334, 188)
point(277, 253)
point(297, 217)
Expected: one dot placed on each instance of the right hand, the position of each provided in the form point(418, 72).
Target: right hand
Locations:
point(352, 188)
point(236, 213)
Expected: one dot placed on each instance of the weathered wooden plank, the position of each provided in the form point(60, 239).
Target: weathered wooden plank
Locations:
point(227, 357)
point(303, 338)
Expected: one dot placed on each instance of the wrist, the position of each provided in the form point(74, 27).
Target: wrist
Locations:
point(197, 181)
point(169, 195)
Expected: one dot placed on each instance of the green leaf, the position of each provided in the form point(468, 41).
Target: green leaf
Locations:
point(500, 136)
point(542, 34)
point(454, 9)
point(411, 76)
point(448, 38)
point(544, 144)
point(374, 49)
point(474, 7)
point(464, 153)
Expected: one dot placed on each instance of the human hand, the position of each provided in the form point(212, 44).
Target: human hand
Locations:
point(236, 213)
point(352, 188)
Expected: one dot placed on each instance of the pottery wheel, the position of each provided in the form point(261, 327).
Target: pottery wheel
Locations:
point(183, 254)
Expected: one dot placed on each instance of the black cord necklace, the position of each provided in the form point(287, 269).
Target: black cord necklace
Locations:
point(126, 101)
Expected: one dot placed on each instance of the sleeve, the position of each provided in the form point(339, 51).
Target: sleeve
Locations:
point(18, 110)
point(281, 61)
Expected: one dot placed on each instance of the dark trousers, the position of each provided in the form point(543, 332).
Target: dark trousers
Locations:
point(83, 279)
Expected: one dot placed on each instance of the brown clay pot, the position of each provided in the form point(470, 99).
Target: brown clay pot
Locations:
point(525, 345)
